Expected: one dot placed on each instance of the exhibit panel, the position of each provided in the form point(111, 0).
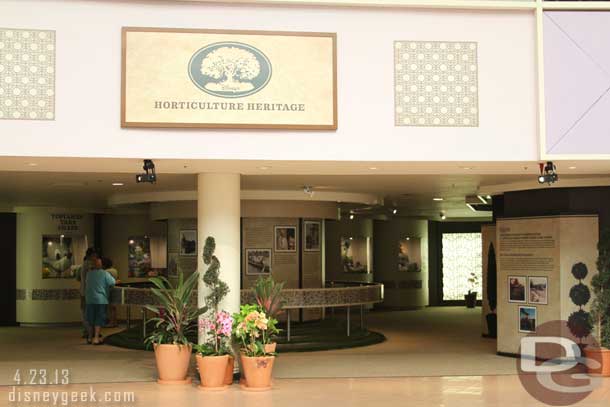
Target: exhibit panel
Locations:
point(51, 244)
point(536, 258)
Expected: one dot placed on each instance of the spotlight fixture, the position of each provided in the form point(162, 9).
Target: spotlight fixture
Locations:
point(117, 184)
point(548, 173)
point(443, 216)
point(351, 216)
point(437, 199)
point(394, 211)
point(149, 175)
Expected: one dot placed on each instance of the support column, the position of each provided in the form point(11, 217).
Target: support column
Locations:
point(218, 215)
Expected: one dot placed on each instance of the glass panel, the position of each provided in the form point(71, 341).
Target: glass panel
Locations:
point(462, 256)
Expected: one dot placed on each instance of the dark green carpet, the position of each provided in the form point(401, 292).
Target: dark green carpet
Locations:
point(305, 337)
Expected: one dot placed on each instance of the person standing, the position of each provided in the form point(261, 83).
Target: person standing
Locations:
point(97, 294)
point(81, 276)
point(112, 309)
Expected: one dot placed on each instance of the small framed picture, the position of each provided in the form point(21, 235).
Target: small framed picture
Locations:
point(188, 243)
point(312, 236)
point(285, 239)
point(527, 319)
point(517, 289)
point(538, 290)
point(258, 261)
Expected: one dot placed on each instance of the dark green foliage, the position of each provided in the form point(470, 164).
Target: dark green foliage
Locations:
point(579, 271)
point(218, 288)
point(492, 279)
point(580, 324)
point(580, 294)
point(601, 289)
point(176, 312)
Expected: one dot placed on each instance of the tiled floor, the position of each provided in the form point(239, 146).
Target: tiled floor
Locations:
point(472, 391)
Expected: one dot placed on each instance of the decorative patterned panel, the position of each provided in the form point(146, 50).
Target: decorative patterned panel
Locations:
point(462, 255)
point(27, 74)
point(436, 84)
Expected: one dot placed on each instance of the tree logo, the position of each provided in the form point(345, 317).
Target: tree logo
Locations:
point(230, 69)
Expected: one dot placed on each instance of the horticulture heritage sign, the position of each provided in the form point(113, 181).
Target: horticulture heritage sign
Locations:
point(228, 79)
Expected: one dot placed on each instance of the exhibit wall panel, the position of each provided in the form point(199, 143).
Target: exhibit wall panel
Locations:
point(88, 83)
point(40, 299)
point(345, 228)
point(402, 289)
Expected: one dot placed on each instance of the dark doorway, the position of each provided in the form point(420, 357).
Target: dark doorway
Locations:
point(8, 271)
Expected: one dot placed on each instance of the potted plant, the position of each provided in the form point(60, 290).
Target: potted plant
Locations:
point(173, 322)
point(214, 357)
point(471, 297)
point(253, 329)
point(268, 296)
point(600, 309)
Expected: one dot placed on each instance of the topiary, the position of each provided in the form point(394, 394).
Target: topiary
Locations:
point(579, 322)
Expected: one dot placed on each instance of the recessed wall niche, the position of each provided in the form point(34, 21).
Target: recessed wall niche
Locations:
point(27, 74)
point(436, 84)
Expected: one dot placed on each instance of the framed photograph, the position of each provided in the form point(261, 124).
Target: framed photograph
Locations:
point(58, 257)
point(228, 79)
point(409, 255)
point(312, 231)
point(188, 243)
point(258, 261)
point(285, 239)
point(139, 259)
point(528, 318)
point(538, 290)
point(517, 287)
point(355, 254)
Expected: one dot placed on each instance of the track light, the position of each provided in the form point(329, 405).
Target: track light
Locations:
point(149, 175)
point(548, 173)
point(351, 216)
point(443, 216)
point(394, 211)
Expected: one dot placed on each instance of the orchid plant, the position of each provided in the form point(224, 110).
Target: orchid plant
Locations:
point(217, 333)
point(253, 329)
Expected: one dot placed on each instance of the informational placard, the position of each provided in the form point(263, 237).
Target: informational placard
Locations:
point(228, 79)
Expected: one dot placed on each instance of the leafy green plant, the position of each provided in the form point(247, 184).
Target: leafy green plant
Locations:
point(473, 279)
point(600, 308)
point(268, 295)
point(253, 329)
point(176, 310)
point(579, 322)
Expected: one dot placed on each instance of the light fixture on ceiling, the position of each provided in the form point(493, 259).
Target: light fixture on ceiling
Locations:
point(437, 199)
point(407, 238)
point(571, 168)
point(373, 168)
point(471, 207)
point(264, 167)
point(32, 164)
point(131, 241)
point(488, 197)
point(117, 184)
point(308, 190)
point(443, 216)
point(149, 175)
point(394, 211)
point(351, 216)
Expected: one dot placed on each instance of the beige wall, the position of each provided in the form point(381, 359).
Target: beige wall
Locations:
point(575, 241)
point(116, 230)
point(32, 224)
point(387, 236)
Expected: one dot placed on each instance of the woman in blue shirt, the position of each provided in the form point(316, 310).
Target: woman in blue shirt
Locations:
point(97, 293)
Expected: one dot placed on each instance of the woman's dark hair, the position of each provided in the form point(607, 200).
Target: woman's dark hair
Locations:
point(106, 263)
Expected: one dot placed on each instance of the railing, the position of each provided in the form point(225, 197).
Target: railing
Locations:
point(337, 294)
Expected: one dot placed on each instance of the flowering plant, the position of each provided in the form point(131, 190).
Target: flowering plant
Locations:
point(253, 329)
point(217, 333)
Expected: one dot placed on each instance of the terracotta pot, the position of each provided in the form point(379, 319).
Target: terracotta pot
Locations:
point(270, 347)
point(602, 356)
point(229, 371)
point(258, 372)
point(212, 371)
point(173, 363)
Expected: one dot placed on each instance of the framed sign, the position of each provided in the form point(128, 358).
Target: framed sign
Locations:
point(228, 79)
